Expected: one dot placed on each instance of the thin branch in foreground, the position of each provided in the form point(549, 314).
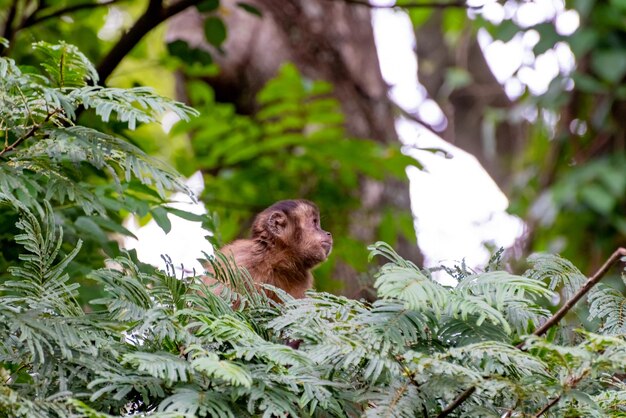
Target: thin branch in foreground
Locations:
point(35, 19)
point(572, 382)
point(548, 406)
point(457, 402)
point(154, 15)
point(589, 284)
point(29, 134)
point(593, 280)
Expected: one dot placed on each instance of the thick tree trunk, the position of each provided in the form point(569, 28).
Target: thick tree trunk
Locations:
point(326, 40)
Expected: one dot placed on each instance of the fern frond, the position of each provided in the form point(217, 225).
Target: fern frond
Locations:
point(608, 305)
point(39, 283)
point(118, 158)
point(66, 65)
point(525, 317)
point(319, 394)
point(128, 298)
point(278, 354)
point(273, 400)
point(566, 356)
point(557, 271)
point(463, 305)
point(117, 385)
point(401, 399)
point(132, 106)
point(160, 326)
point(162, 365)
point(612, 402)
point(385, 250)
point(442, 370)
point(498, 287)
point(513, 295)
point(211, 366)
point(239, 288)
point(192, 402)
point(312, 318)
point(495, 358)
point(392, 323)
point(457, 332)
point(411, 286)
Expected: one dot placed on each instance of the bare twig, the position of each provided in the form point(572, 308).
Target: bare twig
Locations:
point(35, 18)
point(571, 383)
point(411, 377)
point(592, 281)
point(548, 406)
point(28, 134)
point(414, 5)
point(457, 402)
point(154, 15)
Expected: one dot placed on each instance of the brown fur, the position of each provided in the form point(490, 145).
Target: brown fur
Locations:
point(286, 243)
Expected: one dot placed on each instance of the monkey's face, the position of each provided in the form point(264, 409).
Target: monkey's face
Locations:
point(294, 226)
point(317, 241)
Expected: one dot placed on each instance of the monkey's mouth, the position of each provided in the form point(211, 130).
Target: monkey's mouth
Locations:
point(327, 246)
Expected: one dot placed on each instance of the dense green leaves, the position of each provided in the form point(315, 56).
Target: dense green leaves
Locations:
point(91, 178)
point(167, 346)
point(158, 345)
point(579, 125)
point(65, 65)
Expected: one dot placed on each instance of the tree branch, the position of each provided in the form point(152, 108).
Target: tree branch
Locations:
point(415, 5)
point(34, 19)
point(28, 134)
point(457, 402)
point(8, 31)
point(154, 15)
point(572, 382)
point(178, 7)
point(548, 406)
point(592, 281)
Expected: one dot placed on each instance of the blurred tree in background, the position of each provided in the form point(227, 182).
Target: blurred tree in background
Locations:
point(291, 139)
point(293, 104)
point(558, 155)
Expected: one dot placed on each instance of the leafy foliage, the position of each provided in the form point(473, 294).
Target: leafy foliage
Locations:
point(154, 344)
point(37, 124)
point(570, 175)
point(169, 346)
point(297, 146)
point(91, 177)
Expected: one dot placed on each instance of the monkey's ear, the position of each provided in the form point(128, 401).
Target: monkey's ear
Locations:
point(277, 222)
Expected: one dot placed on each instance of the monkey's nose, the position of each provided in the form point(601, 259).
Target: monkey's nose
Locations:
point(329, 234)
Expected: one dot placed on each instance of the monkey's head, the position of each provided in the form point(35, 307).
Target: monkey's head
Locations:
point(293, 226)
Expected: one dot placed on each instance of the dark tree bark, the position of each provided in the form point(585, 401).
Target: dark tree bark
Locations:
point(326, 40)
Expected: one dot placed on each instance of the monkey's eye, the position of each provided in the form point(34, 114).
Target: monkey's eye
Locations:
point(316, 221)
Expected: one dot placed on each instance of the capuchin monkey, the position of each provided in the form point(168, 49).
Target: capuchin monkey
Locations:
point(287, 242)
